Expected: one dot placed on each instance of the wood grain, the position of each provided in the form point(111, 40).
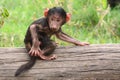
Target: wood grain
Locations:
point(94, 62)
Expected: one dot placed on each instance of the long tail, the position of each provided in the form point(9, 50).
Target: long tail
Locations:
point(26, 66)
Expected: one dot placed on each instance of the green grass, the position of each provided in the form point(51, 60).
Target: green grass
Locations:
point(88, 22)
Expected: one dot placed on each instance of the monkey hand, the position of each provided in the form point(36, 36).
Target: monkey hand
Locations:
point(35, 51)
point(81, 43)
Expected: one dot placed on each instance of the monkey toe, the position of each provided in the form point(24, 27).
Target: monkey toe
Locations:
point(53, 57)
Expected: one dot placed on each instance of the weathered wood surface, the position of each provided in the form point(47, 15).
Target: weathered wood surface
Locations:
point(94, 62)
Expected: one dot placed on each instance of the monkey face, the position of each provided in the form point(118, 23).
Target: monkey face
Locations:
point(55, 22)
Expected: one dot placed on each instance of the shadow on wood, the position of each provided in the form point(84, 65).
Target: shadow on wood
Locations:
point(94, 62)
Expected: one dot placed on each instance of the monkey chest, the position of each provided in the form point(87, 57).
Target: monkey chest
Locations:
point(45, 33)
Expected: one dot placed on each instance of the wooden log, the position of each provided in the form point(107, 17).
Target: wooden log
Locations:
point(94, 62)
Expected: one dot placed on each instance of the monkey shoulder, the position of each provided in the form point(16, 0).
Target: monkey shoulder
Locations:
point(38, 21)
point(41, 24)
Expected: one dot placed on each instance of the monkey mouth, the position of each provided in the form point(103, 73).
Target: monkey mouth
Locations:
point(53, 30)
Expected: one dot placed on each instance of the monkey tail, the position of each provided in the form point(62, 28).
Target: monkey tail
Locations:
point(26, 66)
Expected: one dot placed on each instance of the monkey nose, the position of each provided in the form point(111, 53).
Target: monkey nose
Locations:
point(54, 28)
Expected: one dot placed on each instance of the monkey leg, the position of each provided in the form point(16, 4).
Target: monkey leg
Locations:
point(48, 50)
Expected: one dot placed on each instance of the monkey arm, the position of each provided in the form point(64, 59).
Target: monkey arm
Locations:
point(69, 39)
point(34, 35)
point(65, 37)
point(35, 50)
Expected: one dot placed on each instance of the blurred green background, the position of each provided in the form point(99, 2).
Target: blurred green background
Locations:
point(91, 21)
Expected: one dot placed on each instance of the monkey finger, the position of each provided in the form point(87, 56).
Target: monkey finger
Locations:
point(32, 53)
point(79, 44)
point(35, 54)
point(82, 44)
point(86, 43)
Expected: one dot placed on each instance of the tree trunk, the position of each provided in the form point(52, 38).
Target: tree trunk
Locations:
point(94, 62)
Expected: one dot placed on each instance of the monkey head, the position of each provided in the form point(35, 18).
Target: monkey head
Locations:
point(56, 17)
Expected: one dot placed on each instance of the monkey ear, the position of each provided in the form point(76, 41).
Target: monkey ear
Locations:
point(68, 15)
point(46, 12)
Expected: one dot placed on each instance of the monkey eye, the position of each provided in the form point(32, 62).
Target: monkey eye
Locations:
point(52, 19)
point(58, 20)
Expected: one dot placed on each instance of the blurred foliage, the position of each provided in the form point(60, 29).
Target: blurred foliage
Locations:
point(3, 14)
point(91, 20)
point(105, 4)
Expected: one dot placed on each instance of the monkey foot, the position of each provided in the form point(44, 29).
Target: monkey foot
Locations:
point(51, 57)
